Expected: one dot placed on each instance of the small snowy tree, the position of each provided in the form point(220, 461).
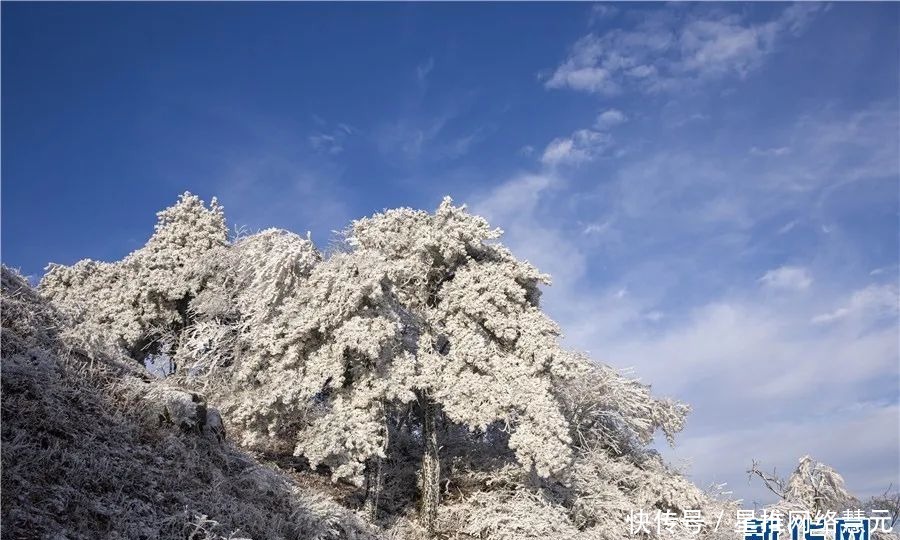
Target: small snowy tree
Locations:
point(815, 488)
point(145, 296)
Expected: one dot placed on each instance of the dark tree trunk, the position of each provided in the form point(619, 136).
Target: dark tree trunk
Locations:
point(373, 488)
point(375, 476)
point(431, 465)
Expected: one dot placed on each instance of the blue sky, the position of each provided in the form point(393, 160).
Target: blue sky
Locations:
point(714, 187)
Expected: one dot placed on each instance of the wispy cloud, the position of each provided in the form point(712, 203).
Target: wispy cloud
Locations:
point(610, 118)
point(668, 50)
point(778, 151)
point(601, 12)
point(409, 136)
point(423, 70)
point(871, 304)
point(582, 146)
point(328, 144)
point(460, 146)
point(415, 138)
point(598, 228)
point(331, 142)
point(423, 133)
point(523, 205)
point(787, 277)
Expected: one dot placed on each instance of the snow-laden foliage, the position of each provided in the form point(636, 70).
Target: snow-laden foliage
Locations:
point(139, 300)
point(420, 303)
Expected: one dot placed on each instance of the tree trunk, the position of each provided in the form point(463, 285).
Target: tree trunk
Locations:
point(375, 475)
point(373, 488)
point(431, 466)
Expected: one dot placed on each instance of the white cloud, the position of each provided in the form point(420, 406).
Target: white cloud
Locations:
point(787, 277)
point(560, 149)
point(871, 303)
point(583, 145)
point(725, 45)
point(516, 197)
point(598, 228)
point(587, 78)
point(666, 51)
point(723, 193)
point(610, 118)
point(883, 269)
point(835, 315)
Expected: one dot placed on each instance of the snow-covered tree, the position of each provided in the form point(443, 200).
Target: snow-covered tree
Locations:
point(421, 332)
point(815, 488)
point(144, 297)
point(422, 316)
